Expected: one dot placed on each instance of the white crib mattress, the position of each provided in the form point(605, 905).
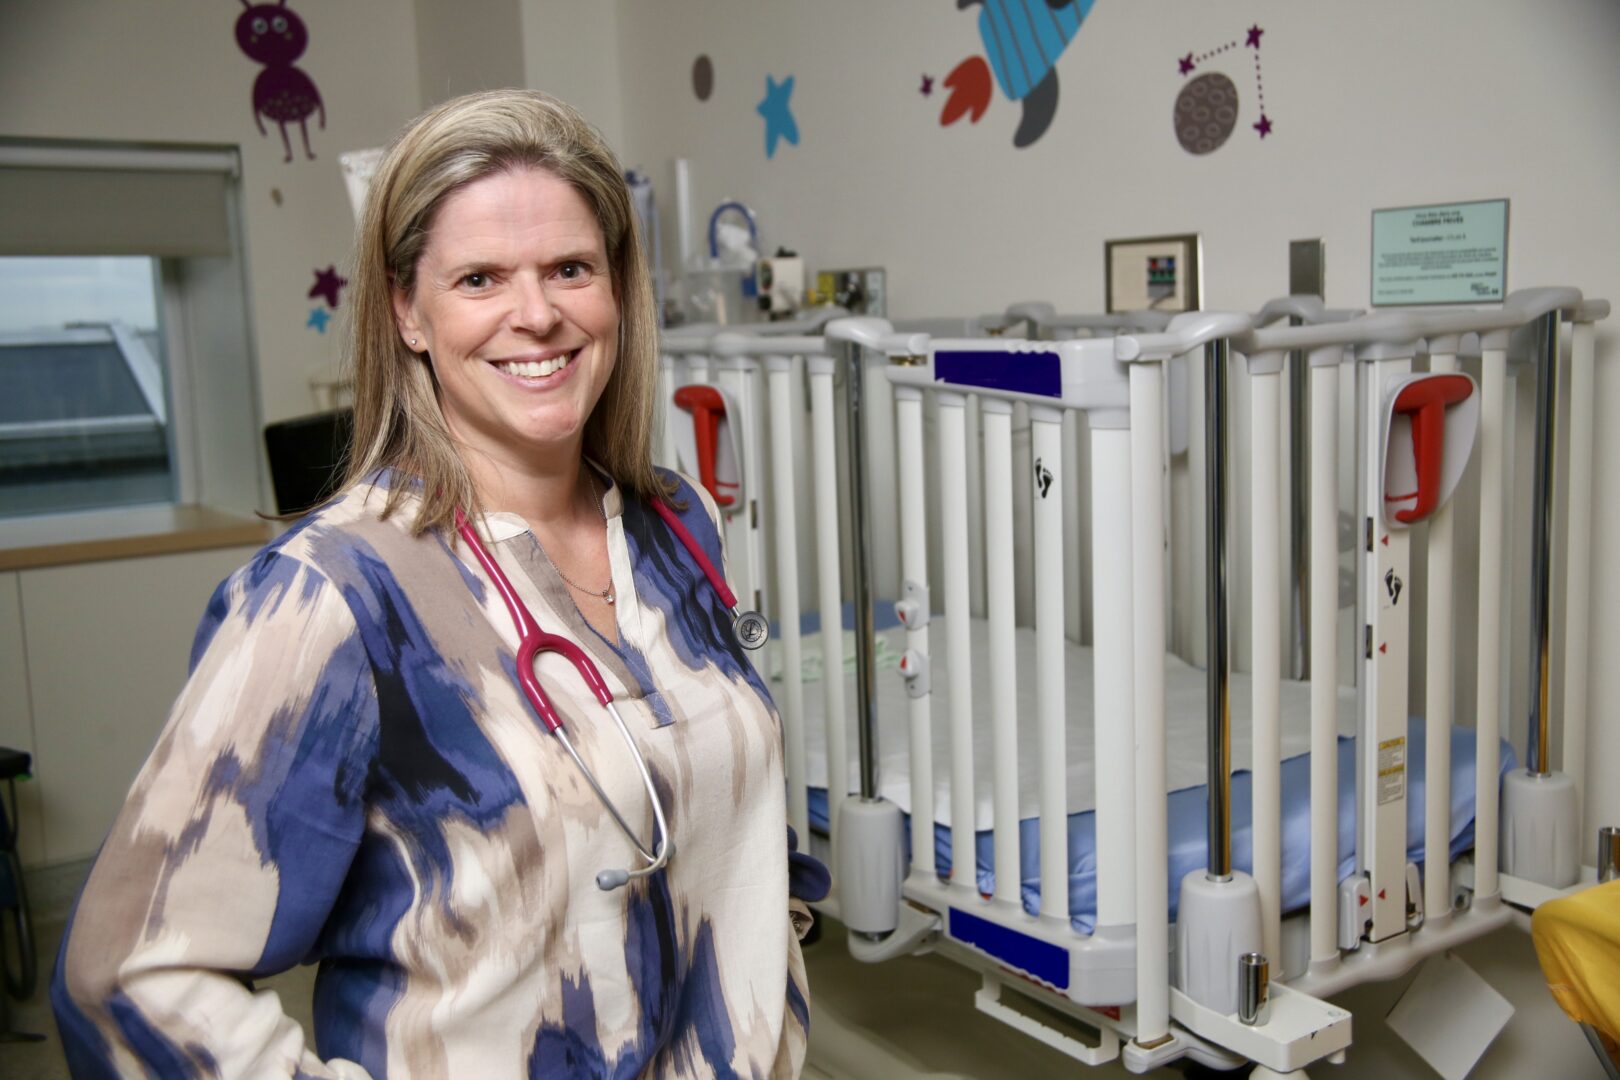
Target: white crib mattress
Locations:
point(1185, 721)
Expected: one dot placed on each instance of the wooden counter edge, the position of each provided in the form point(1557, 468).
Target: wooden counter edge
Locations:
point(109, 535)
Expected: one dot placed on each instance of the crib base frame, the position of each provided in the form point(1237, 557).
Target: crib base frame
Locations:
point(1095, 971)
point(1302, 1027)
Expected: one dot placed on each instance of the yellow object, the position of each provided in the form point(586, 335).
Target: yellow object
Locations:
point(1578, 943)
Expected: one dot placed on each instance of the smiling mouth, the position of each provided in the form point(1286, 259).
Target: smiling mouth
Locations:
point(535, 369)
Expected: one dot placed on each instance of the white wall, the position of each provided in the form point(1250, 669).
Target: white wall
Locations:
point(572, 50)
point(1383, 103)
point(467, 45)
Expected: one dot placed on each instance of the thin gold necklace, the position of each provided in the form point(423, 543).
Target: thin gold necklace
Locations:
point(603, 594)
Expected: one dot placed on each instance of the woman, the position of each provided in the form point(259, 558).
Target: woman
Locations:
point(353, 774)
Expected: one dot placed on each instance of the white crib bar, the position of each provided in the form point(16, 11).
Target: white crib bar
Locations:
point(1000, 599)
point(953, 512)
point(1048, 491)
point(1073, 600)
point(1437, 700)
point(1324, 511)
point(1265, 594)
point(668, 380)
point(974, 473)
point(908, 410)
point(1487, 722)
point(825, 478)
point(737, 376)
point(1578, 557)
point(1152, 807)
point(1113, 619)
point(779, 382)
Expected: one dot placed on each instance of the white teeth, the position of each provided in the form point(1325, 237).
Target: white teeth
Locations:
point(535, 369)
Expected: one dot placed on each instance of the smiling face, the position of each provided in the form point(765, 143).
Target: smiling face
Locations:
point(515, 306)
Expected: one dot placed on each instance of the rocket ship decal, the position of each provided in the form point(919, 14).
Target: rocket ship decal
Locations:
point(1022, 40)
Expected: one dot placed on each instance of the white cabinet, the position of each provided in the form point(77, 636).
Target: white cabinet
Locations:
point(91, 659)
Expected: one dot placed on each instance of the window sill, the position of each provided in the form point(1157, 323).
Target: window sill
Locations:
point(103, 535)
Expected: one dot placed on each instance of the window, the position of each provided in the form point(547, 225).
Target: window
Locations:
point(83, 401)
point(125, 370)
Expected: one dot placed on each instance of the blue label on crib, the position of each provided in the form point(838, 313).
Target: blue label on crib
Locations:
point(994, 369)
point(1042, 959)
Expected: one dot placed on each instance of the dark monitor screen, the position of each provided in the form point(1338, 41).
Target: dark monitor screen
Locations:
point(307, 456)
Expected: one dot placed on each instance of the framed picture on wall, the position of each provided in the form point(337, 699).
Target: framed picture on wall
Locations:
point(1154, 273)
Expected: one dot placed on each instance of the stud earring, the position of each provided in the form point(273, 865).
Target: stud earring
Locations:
point(413, 343)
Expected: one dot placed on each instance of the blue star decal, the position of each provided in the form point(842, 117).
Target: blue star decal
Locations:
point(779, 122)
point(318, 318)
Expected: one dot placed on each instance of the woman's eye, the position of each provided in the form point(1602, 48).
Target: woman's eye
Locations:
point(475, 280)
point(574, 271)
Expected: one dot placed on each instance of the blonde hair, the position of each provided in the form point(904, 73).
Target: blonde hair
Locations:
point(398, 422)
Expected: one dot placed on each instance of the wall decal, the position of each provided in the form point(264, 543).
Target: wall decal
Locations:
point(927, 87)
point(1206, 109)
point(1022, 40)
point(318, 318)
point(328, 283)
point(778, 114)
point(969, 84)
point(703, 77)
point(274, 36)
point(1206, 113)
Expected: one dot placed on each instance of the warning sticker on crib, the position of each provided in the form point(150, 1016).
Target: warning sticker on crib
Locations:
point(1391, 770)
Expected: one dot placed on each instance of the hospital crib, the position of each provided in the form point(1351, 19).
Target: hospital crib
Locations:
point(1072, 909)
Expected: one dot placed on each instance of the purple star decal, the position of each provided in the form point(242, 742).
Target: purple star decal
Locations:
point(1254, 36)
point(927, 85)
point(327, 284)
point(1263, 126)
point(1186, 64)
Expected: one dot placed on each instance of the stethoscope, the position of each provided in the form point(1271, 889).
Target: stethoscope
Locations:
point(749, 627)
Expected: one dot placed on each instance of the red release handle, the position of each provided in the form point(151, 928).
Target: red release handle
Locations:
point(1426, 402)
point(708, 408)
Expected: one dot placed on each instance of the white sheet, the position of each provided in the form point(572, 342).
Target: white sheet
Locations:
point(1185, 723)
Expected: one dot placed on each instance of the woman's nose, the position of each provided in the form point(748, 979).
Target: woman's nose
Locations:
point(534, 310)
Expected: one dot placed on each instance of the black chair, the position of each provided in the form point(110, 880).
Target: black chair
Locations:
point(19, 976)
point(306, 457)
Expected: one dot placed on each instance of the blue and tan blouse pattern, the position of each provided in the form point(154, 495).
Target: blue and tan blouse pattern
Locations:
point(352, 777)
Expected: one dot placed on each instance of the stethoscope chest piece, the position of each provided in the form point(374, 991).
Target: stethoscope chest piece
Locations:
point(751, 629)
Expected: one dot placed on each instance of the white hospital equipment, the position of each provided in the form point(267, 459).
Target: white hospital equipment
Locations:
point(1072, 907)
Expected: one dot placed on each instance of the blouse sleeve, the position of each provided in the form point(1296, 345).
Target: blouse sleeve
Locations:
point(232, 847)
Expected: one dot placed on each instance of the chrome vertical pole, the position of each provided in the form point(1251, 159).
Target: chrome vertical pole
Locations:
point(1299, 516)
point(1541, 544)
point(861, 535)
point(1220, 709)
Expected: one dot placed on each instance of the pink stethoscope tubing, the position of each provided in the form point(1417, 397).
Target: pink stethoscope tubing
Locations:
point(748, 627)
point(532, 641)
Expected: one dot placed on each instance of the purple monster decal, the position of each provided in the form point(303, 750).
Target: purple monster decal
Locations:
point(275, 37)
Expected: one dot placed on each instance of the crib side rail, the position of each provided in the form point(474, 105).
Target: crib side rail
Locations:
point(1383, 346)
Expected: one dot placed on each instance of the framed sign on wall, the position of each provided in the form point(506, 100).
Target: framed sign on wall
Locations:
point(1156, 273)
point(1451, 253)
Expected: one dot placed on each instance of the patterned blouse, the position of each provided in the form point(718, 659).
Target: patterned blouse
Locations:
point(352, 776)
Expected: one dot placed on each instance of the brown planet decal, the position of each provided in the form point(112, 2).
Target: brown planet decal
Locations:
point(703, 77)
point(1206, 112)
